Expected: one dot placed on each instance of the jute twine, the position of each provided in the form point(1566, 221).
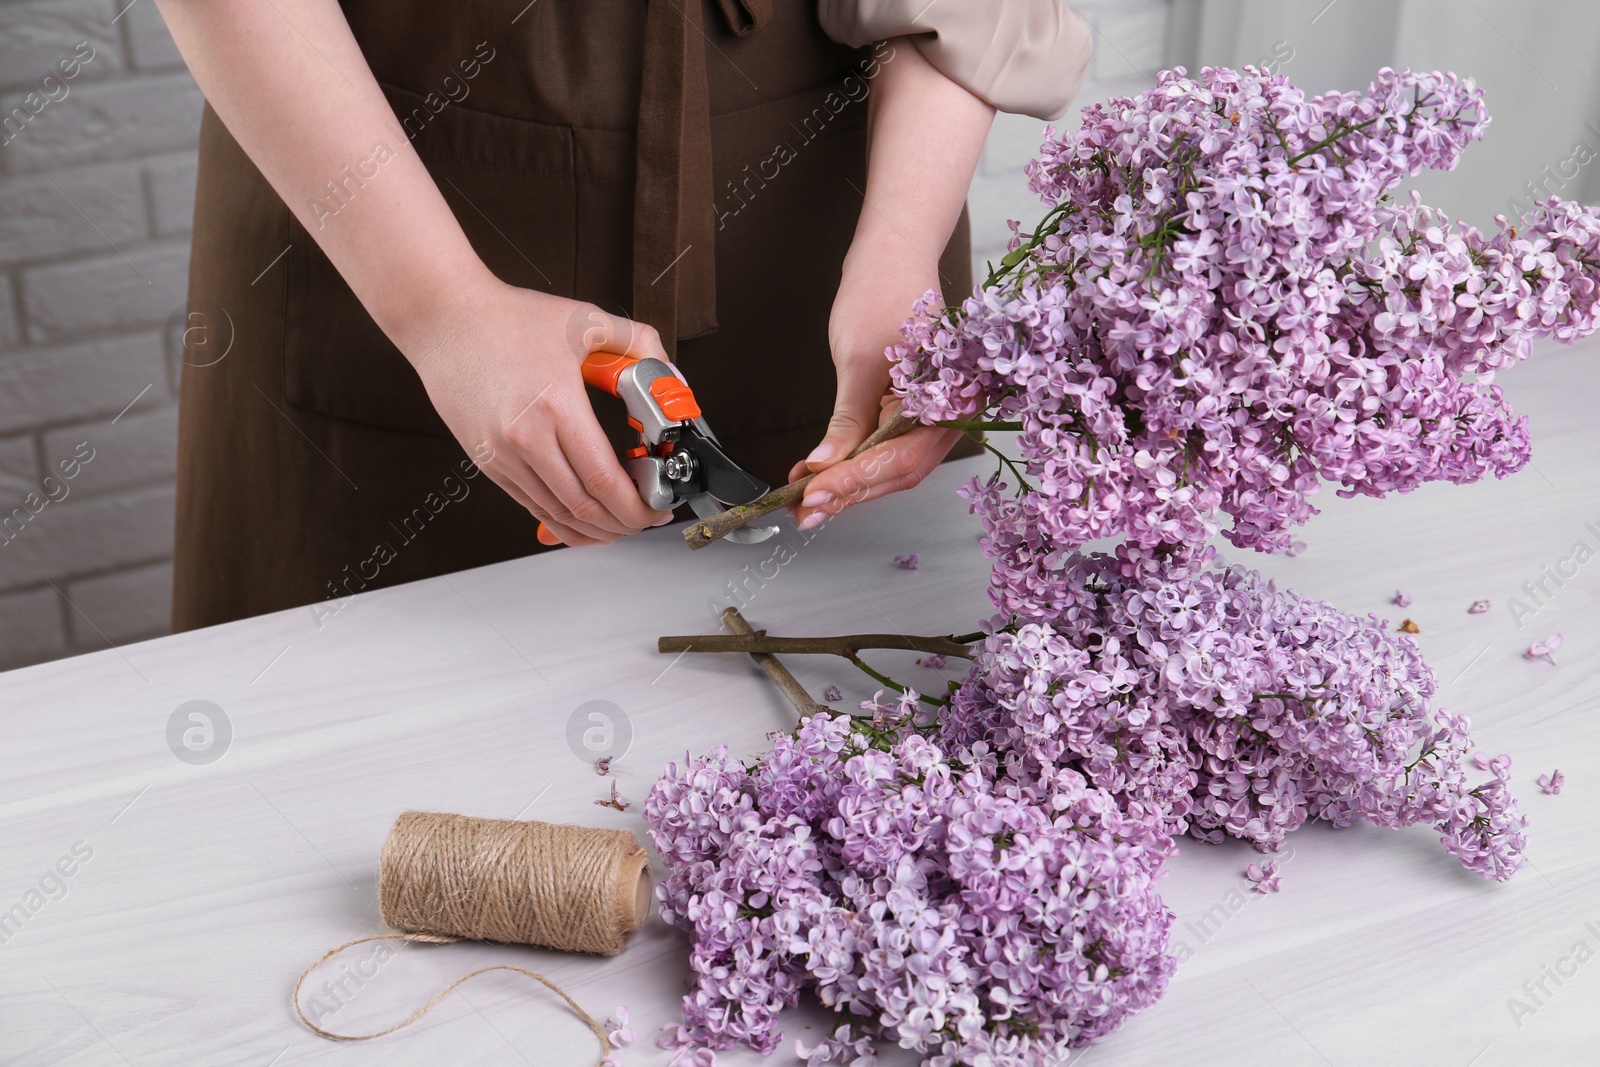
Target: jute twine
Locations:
point(445, 878)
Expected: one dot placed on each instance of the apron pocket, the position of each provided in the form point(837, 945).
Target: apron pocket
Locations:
point(510, 184)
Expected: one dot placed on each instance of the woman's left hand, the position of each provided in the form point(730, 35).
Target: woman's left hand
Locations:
point(875, 297)
point(925, 133)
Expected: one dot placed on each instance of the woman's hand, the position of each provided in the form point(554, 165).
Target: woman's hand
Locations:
point(878, 289)
point(925, 135)
point(500, 364)
point(502, 369)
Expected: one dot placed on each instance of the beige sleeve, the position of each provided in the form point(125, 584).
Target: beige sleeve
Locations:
point(1022, 56)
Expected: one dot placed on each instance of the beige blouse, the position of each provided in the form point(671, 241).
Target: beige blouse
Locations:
point(1023, 56)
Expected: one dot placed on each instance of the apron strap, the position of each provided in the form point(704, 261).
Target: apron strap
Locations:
point(746, 16)
point(674, 239)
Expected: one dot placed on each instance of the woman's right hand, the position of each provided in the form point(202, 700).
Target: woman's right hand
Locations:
point(502, 368)
point(500, 363)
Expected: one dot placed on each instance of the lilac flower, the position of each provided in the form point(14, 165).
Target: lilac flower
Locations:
point(602, 766)
point(1551, 783)
point(1500, 765)
point(919, 890)
point(1211, 703)
point(616, 800)
point(1545, 649)
point(1479, 607)
point(1294, 549)
point(618, 1031)
point(1263, 878)
point(1401, 600)
point(1229, 303)
point(907, 562)
point(832, 694)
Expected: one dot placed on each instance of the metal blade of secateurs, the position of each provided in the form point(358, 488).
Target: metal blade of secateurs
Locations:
point(725, 484)
point(722, 477)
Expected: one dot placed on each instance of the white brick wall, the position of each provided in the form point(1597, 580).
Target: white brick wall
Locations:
point(96, 197)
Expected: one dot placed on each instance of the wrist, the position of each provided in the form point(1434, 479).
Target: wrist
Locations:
point(879, 267)
point(421, 310)
point(901, 253)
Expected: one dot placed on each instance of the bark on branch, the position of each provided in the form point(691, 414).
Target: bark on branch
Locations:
point(703, 532)
point(847, 645)
point(786, 682)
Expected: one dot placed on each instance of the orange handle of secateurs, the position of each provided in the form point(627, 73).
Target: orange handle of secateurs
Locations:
point(602, 369)
point(676, 400)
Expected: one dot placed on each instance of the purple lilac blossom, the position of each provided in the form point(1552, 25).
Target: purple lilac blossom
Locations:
point(1228, 305)
point(1545, 650)
point(919, 890)
point(1212, 703)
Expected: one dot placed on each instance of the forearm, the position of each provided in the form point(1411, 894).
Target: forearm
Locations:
point(926, 135)
point(291, 84)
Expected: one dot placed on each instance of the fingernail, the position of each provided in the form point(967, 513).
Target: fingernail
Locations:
point(822, 453)
point(663, 520)
point(813, 521)
point(816, 499)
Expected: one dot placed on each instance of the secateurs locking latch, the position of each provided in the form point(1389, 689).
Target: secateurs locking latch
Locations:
point(678, 458)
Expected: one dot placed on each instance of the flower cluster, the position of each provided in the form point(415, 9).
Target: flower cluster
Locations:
point(1224, 307)
point(920, 891)
point(1210, 702)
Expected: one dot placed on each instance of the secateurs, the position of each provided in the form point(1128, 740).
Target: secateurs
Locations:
point(678, 458)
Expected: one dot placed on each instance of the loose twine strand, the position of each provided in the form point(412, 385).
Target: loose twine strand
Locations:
point(444, 878)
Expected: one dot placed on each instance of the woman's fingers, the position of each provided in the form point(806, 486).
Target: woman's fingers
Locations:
point(893, 466)
point(544, 504)
point(561, 534)
point(601, 478)
point(536, 438)
point(856, 407)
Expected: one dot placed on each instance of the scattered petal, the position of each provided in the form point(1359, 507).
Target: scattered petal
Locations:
point(1545, 649)
point(907, 562)
point(832, 694)
point(618, 1031)
point(1401, 600)
point(1263, 878)
point(1551, 783)
point(1500, 765)
point(1409, 627)
point(936, 661)
point(1294, 549)
point(1479, 607)
point(602, 766)
point(616, 800)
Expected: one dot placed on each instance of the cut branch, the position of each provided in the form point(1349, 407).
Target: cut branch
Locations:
point(704, 532)
point(847, 645)
point(786, 682)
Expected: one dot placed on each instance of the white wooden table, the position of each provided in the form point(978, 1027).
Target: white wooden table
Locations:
point(208, 887)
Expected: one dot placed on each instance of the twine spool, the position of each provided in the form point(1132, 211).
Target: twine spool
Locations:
point(445, 878)
point(573, 888)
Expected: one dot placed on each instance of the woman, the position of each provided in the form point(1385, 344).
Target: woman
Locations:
point(414, 220)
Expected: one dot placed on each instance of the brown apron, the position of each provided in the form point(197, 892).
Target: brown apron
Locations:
point(696, 164)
